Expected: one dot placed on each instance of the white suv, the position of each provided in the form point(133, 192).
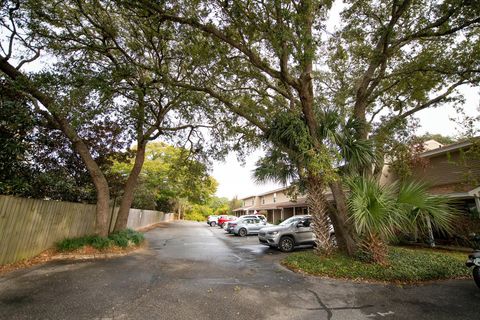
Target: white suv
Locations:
point(212, 220)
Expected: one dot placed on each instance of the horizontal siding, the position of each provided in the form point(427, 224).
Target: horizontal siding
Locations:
point(449, 169)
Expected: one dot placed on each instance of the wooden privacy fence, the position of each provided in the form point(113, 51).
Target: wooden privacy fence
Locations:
point(30, 226)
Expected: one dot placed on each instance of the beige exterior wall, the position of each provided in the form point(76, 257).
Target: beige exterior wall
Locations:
point(432, 144)
point(248, 202)
point(445, 173)
point(280, 196)
point(267, 199)
point(273, 197)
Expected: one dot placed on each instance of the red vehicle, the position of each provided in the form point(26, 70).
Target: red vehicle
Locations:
point(224, 218)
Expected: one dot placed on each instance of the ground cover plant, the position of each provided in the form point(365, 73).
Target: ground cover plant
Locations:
point(123, 239)
point(117, 243)
point(405, 265)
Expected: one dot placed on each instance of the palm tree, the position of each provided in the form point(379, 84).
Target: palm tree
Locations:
point(290, 160)
point(379, 212)
point(375, 215)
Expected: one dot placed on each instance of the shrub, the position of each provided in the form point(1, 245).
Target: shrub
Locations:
point(122, 239)
point(119, 240)
point(100, 242)
point(379, 213)
point(136, 237)
point(127, 237)
point(71, 244)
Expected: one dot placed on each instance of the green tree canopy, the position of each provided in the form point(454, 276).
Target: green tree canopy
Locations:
point(168, 175)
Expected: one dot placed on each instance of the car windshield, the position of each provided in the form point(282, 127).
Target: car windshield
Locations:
point(289, 221)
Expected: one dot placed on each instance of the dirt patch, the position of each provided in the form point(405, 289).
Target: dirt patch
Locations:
point(84, 253)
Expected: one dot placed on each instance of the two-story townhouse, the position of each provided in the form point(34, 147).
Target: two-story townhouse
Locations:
point(276, 205)
point(249, 205)
point(452, 170)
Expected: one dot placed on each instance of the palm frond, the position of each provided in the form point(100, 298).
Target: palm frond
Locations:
point(373, 208)
point(414, 199)
point(275, 167)
point(357, 153)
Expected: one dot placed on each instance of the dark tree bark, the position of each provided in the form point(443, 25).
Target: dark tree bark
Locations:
point(344, 231)
point(98, 178)
point(129, 188)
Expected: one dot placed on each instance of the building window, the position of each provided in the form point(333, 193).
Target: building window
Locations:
point(263, 200)
point(274, 197)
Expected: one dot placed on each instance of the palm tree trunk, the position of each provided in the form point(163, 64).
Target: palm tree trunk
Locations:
point(318, 205)
point(376, 247)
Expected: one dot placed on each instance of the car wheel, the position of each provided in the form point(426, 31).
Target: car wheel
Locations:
point(213, 224)
point(286, 244)
point(333, 239)
point(476, 275)
point(242, 232)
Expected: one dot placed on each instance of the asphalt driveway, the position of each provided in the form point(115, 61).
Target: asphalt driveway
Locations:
point(193, 271)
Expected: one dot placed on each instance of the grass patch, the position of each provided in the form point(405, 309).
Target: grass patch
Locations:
point(123, 239)
point(405, 265)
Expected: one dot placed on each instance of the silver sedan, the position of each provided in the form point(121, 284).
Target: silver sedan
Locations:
point(249, 226)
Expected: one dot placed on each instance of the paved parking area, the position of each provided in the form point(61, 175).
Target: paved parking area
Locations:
point(193, 271)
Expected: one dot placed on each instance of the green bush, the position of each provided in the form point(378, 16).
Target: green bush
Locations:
point(136, 237)
point(71, 244)
point(127, 237)
point(405, 265)
point(100, 242)
point(122, 239)
point(197, 213)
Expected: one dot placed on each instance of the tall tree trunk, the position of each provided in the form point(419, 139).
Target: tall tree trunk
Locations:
point(129, 188)
point(98, 178)
point(318, 205)
point(344, 232)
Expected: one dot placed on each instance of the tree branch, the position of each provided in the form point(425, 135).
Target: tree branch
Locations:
point(229, 104)
point(433, 101)
point(211, 30)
